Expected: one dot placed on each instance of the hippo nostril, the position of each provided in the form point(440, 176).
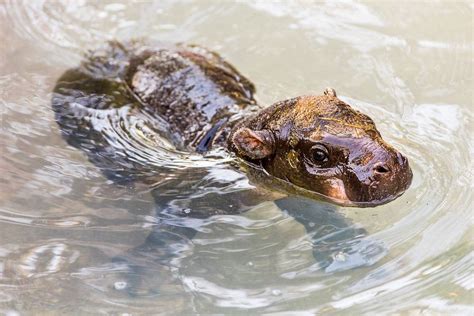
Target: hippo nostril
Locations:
point(381, 168)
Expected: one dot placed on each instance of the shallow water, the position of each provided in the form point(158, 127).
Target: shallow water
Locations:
point(63, 224)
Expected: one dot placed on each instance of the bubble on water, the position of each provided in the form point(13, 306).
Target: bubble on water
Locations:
point(276, 292)
point(340, 256)
point(120, 285)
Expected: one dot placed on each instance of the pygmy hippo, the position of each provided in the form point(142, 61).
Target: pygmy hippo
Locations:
point(314, 145)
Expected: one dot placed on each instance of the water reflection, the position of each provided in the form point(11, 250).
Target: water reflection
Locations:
point(62, 222)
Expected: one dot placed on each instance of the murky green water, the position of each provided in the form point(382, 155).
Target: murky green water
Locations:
point(63, 224)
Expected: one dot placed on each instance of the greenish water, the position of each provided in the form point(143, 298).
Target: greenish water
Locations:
point(63, 224)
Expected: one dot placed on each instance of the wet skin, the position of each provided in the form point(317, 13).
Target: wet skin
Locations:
point(313, 145)
point(320, 144)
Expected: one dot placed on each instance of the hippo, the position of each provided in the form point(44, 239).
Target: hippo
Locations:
point(312, 146)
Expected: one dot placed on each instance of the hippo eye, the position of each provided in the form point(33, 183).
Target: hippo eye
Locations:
point(319, 153)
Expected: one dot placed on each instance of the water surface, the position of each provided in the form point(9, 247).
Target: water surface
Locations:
point(63, 223)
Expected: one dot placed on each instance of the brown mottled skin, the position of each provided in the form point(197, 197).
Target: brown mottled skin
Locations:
point(195, 90)
point(321, 144)
point(316, 143)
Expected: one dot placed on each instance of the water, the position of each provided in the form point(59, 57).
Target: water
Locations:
point(71, 239)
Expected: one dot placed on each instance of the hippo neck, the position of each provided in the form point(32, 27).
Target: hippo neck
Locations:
point(217, 132)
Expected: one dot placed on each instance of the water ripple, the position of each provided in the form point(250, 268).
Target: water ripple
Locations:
point(64, 226)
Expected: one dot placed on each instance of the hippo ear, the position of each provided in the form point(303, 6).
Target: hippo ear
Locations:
point(330, 92)
point(253, 144)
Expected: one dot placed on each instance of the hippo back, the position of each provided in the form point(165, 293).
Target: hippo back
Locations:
point(126, 104)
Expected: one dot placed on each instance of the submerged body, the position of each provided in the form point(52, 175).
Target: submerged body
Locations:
point(314, 144)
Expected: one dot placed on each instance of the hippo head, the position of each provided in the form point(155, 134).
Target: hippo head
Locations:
point(322, 145)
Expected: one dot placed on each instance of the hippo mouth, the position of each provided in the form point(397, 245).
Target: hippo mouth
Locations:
point(338, 196)
point(371, 197)
point(341, 200)
point(371, 194)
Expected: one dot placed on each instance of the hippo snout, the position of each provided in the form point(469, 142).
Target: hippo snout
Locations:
point(388, 178)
